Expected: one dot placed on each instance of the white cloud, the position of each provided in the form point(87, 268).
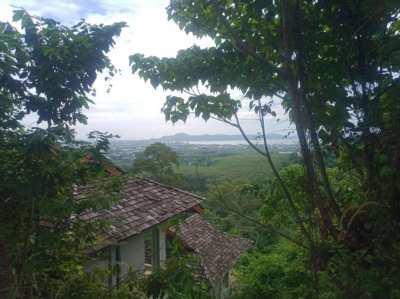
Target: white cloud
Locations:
point(132, 108)
point(5, 11)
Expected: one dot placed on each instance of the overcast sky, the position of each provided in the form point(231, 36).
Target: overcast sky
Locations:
point(132, 108)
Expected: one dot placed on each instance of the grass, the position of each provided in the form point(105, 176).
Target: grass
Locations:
point(247, 166)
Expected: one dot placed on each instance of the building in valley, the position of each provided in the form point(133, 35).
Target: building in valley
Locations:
point(142, 221)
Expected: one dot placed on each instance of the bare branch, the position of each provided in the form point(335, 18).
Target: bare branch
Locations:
point(266, 226)
point(224, 120)
point(197, 88)
point(252, 145)
point(297, 217)
point(190, 92)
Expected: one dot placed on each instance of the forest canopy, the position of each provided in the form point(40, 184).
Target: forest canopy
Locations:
point(333, 65)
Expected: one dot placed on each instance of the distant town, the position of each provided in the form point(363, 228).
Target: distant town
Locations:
point(195, 147)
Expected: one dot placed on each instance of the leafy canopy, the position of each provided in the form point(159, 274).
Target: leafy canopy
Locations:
point(158, 161)
point(49, 69)
point(333, 65)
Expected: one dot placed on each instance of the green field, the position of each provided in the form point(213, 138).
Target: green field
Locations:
point(247, 165)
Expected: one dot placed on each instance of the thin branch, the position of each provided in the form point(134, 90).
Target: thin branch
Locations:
point(297, 217)
point(242, 132)
point(266, 154)
point(252, 145)
point(279, 96)
point(224, 121)
point(190, 92)
point(197, 88)
point(268, 227)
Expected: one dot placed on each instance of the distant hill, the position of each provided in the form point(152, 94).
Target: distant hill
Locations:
point(183, 137)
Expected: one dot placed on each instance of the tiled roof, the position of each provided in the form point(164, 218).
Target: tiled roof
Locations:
point(144, 204)
point(218, 251)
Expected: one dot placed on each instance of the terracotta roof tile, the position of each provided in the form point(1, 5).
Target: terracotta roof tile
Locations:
point(144, 204)
point(218, 251)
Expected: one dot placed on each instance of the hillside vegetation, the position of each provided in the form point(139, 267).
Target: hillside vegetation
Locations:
point(246, 165)
point(324, 225)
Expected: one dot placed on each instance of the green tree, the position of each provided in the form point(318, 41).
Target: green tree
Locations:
point(49, 69)
point(158, 161)
point(279, 273)
point(234, 208)
point(178, 280)
point(333, 66)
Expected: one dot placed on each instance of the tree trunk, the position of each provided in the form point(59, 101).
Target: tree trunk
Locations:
point(300, 115)
point(5, 272)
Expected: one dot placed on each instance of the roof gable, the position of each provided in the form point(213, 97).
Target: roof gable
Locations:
point(144, 204)
point(218, 251)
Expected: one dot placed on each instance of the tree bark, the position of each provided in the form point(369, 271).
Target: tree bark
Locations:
point(294, 67)
point(5, 272)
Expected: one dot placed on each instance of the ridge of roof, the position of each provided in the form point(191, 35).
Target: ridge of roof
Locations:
point(143, 204)
point(169, 187)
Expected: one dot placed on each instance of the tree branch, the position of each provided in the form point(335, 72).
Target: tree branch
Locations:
point(243, 133)
point(243, 47)
point(224, 121)
point(265, 226)
point(191, 92)
point(297, 217)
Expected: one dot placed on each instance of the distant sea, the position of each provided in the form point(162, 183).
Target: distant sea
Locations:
point(240, 142)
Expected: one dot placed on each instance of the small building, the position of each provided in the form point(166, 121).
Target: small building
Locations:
point(140, 222)
point(217, 251)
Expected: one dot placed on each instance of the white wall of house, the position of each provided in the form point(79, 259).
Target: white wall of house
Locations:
point(97, 264)
point(130, 253)
point(163, 245)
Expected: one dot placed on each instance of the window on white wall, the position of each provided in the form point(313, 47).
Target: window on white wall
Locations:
point(152, 248)
point(156, 247)
point(148, 252)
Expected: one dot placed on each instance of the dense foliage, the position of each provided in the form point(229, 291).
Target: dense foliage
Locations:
point(333, 65)
point(49, 69)
point(328, 227)
point(177, 279)
point(158, 162)
point(279, 273)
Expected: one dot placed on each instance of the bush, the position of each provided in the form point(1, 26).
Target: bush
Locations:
point(278, 274)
